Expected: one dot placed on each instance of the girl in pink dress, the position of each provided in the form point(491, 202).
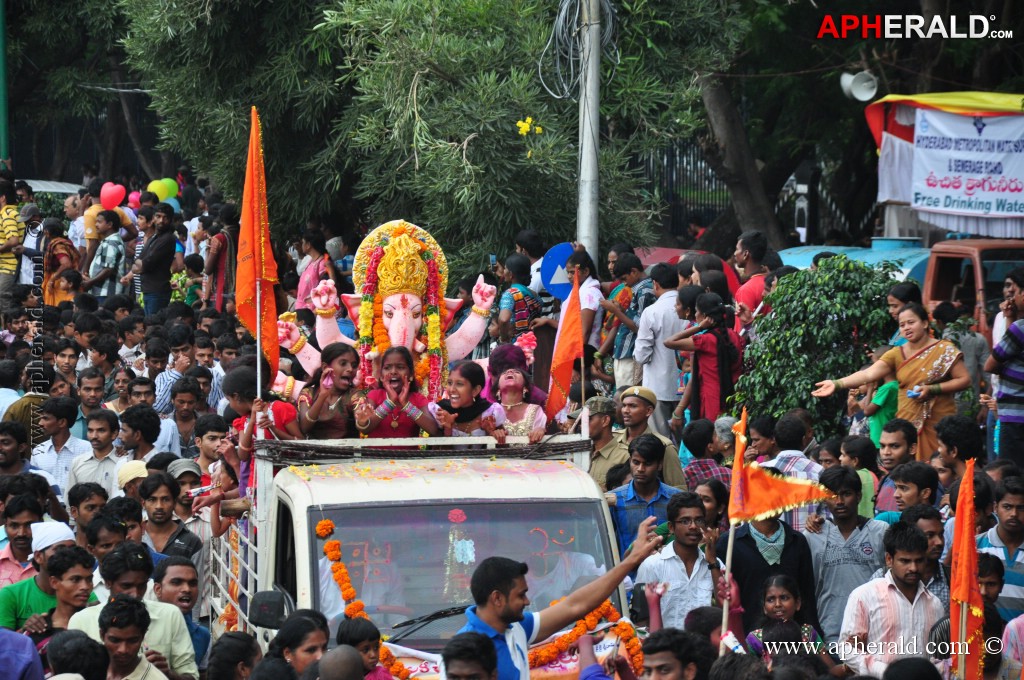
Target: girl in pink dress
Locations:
point(364, 636)
point(396, 409)
point(319, 268)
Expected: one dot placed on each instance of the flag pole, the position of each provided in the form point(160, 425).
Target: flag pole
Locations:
point(961, 671)
point(583, 366)
point(259, 347)
point(722, 648)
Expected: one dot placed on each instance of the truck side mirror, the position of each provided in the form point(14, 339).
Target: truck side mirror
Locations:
point(267, 609)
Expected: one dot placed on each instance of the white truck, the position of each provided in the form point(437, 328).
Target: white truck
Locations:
point(413, 525)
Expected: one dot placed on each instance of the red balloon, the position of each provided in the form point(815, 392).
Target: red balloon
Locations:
point(111, 196)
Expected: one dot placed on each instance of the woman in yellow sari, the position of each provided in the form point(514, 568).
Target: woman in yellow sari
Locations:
point(930, 373)
point(59, 254)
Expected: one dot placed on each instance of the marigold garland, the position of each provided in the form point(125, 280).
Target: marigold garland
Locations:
point(381, 339)
point(545, 654)
point(356, 609)
point(324, 528)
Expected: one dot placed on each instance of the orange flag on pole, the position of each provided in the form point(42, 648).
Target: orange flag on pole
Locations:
point(257, 269)
point(568, 348)
point(756, 493)
point(966, 608)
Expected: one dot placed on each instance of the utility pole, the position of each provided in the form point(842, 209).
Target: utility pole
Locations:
point(590, 118)
point(5, 149)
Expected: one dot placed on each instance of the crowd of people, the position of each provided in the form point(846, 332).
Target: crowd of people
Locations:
point(129, 405)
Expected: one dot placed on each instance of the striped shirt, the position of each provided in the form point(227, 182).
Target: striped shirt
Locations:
point(109, 255)
point(701, 470)
point(1011, 599)
point(1010, 353)
point(1013, 639)
point(642, 297)
point(795, 464)
point(937, 585)
point(139, 243)
point(58, 463)
point(879, 613)
point(524, 305)
point(9, 227)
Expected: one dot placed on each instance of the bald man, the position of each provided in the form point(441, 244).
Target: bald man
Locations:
point(341, 663)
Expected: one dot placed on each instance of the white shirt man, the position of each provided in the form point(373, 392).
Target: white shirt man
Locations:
point(658, 323)
point(884, 617)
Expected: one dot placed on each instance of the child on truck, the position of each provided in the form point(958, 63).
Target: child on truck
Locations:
point(364, 636)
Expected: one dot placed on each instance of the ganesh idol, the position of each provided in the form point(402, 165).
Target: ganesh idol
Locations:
point(400, 276)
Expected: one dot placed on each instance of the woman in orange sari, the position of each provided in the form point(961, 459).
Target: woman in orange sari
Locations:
point(930, 373)
point(58, 254)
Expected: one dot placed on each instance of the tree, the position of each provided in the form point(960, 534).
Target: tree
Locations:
point(451, 127)
point(824, 324)
point(783, 86)
point(67, 87)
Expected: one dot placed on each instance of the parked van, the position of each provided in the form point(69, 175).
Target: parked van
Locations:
point(971, 272)
point(412, 530)
point(906, 253)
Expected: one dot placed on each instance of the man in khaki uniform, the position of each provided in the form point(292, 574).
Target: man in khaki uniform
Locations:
point(605, 451)
point(638, 403)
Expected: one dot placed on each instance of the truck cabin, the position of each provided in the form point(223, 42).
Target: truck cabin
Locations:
point(413, 530)
point(970, 273)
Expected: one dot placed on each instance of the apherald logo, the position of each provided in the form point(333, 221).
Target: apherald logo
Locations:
point(895, 26)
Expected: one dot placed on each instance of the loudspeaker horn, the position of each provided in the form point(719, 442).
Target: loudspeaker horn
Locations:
point(860, 86)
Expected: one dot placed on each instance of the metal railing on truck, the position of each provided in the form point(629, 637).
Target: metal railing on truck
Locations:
point(232, 578)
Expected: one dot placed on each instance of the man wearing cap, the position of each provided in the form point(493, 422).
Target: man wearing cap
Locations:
point(638, 403)
point(188, 475)
point(18, 602)
point(129, 476)
point(11, 232)
point(605, 453)
point(31, 242)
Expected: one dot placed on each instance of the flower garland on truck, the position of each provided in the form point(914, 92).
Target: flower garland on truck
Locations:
point(538, 657)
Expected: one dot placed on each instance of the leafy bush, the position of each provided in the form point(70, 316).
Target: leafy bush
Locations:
point(823, 325)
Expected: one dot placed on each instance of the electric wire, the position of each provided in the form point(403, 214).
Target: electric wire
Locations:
point(564, 48)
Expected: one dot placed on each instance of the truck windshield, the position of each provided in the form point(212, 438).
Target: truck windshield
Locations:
point(409, 560)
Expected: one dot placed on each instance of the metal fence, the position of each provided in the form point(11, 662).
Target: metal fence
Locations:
point(231, 579)
point(680, 178)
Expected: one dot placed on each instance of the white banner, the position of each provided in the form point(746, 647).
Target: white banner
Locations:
point(966, 165)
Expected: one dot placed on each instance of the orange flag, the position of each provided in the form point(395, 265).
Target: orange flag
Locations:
point(568, 348)
point(963, 586)
point(756, 493)
point(256, 264)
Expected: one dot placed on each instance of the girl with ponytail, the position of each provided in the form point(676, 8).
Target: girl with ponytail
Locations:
point(716, 352)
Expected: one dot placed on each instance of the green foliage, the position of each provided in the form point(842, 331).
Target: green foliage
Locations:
point(206, 68)
point(432, 134)
point(54, 48)
point(824, 324)
point(379, 109)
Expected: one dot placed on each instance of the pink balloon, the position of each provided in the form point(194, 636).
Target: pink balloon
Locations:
point(111, 196)
point(133, 200)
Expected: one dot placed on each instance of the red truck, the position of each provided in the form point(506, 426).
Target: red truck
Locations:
point(971, 272)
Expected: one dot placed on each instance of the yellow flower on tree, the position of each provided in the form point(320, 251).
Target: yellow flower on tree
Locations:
point(525, 126)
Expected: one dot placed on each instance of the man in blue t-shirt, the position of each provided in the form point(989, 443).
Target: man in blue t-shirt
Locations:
point(499, 590)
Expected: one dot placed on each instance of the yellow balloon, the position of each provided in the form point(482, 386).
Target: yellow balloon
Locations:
point(159, 188)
